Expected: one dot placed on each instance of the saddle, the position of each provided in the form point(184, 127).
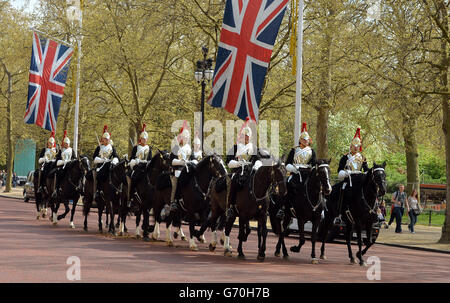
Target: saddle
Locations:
point(242, 178)
point(185, 176)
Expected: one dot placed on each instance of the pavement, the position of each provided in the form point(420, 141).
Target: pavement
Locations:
point(426, 237)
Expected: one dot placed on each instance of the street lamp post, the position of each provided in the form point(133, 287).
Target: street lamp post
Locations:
point(202, 74)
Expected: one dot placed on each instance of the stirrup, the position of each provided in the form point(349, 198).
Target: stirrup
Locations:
point(337, 220)
point(173, 206)
point(230, 212)
point(280, 214)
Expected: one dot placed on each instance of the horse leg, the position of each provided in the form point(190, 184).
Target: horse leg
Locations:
point(263, 234)
point(348, 236)
point(72, 212)
point(86, 209)
point(55, 212)
point(66, 210)
point(315, 223)
point(241, 237)
point(138, 229)
point(100, 208)
point(169, 239)
point(368, 240)
point(325, 225)
point(358, 254)
point(192, 235)
point(301, 236)
point(226, 245)
point(112, 228)
point(283, 232)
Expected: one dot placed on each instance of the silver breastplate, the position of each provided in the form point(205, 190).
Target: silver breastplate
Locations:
point(142, 152)
point(354, 162)
point(184, 153)
point(302, 155)
point(66, 154)
point(244, 152)
point(50, 154)
point(105, 151)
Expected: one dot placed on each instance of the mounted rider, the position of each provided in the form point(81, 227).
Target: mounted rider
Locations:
point(104, 154)
point(197, 154)
point(183, 157)
point(47, 159)
point(351, 164)
point(241, 160)
point(64, 156)
point(299, 163)
point(140, 156)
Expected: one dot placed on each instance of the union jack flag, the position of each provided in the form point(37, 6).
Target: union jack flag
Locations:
point(48, 73)
point(247, 38)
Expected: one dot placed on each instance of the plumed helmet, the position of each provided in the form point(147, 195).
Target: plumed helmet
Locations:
point(65, 138)
point(304, 133)
point(357, 139)
point(184, 131)
point(245, 129)
point(52, 140)
point(144, 134)
point(106, 135)
point(197, 140)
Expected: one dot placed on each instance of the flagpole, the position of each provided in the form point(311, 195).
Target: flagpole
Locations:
point(50, 37)
point(77, 102)
point(298, 86)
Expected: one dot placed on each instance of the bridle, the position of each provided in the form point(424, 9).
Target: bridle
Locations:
point(377, 189)
point(316, 169)
point(273, 185)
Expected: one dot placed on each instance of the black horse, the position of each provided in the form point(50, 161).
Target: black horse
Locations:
point(193, 186)
point(71, 186)
point(307, 198)
point(41, 198)
point(279, 225)
point(145, 193)
point(111, 194)
point(362, 199)
point(252, 202)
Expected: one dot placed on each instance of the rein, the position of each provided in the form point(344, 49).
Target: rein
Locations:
point(375, 205)
point(314, 207)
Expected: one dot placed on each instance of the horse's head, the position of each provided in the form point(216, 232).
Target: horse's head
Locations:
point(322, 172)
point(160, 161)
point(118, 171)
point(216, 165)
point(278, 176)
point(378, 178)
point(84, 164)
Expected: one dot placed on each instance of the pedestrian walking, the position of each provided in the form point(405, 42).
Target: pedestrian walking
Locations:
point(413, 208)
point(399, 200)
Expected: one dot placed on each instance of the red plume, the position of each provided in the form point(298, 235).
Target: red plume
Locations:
point(143, 127)
point(105, 128)
point(53, 136)
point(358, 134)
point(65, 134)
point(304, 127)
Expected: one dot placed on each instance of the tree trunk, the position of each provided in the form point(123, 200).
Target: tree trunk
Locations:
point(325, 88)
point(412, 163)
point(10, 152)
point(132, 136)
point(445, 237)
point(322, 133)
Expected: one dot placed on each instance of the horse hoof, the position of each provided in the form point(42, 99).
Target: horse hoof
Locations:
point(353, 261)
point(362, 263)
point(193, 248)
point(242, 257)
point(277, 254)
point(71, 225)
point(211, 247)
point(85, 229)
point(314, 261)
point(145, 239)
point(170, 243)
point(323, 257)
point(261, 258)
point(295, 249)
point(227, 253)
point(183, 238)
point(175, 235)
point(286, 257)
point(37, 217)
point(139, 236)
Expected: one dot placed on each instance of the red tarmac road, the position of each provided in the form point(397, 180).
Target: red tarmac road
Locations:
point(36, 251)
